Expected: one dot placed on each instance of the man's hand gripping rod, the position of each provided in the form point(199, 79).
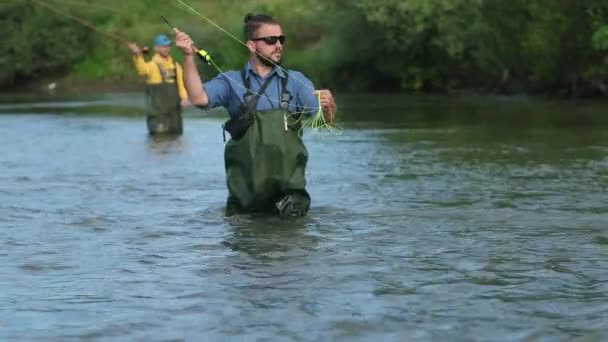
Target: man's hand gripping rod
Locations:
point(202, 54)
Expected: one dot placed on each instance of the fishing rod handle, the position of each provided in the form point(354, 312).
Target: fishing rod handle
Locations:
point(204, 56)
point(201, 54)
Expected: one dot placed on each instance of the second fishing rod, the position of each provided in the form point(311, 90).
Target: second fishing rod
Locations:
point(112, 36)
point(317, 122)
point(202, 54)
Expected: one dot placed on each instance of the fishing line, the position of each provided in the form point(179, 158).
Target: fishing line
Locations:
point(238, 40)
point(204, 55)
point(315, 122)
point(300, 115)
point(318, 122)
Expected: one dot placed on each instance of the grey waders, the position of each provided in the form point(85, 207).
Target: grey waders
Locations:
point(163, 111)
point(265, 159)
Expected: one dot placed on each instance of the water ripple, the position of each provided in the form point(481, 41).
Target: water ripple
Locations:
point(423, 231)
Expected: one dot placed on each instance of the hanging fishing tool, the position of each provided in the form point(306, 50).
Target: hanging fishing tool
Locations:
point(202, 54)
point(116, 38)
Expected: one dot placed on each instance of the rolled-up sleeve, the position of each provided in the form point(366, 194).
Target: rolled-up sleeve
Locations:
point(218, 91)
point(307, 102)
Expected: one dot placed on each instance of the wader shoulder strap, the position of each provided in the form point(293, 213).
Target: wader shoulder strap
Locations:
point(163, 72)
point(250, 100)
point(295, 124)
point(247, 97)
point(285, 95)
point(246, 81)
point(239, 124)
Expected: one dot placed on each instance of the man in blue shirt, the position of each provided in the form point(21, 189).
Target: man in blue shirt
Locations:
point(265, 159)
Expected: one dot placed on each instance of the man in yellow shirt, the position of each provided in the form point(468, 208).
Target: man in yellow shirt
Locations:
point(166, 95)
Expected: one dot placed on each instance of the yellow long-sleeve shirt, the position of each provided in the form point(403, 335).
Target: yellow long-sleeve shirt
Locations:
point(151, 72)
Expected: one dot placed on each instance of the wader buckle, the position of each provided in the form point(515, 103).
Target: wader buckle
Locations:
point(285, 98)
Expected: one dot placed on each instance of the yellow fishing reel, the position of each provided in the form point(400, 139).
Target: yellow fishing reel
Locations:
point(204, 56)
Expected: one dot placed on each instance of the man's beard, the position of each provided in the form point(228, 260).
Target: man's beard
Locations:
point(267, 60)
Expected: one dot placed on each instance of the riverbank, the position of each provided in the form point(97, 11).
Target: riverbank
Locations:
point(70, 86)
point(67, 85)
point(70, 89)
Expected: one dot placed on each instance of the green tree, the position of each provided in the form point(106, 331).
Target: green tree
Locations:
point(36, 43)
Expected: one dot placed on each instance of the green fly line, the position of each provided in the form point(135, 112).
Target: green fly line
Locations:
point(210, 61)
point(317, 122)
point(206, 57)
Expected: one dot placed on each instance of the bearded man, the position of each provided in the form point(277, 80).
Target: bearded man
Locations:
point(265, 159)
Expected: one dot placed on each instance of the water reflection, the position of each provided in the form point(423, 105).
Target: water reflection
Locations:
point(263, 236)
point(167, 143)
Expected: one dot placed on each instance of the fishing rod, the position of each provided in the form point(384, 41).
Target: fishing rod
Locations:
point(112, 36)
point(205, 57)
point(202, 54)
point(318, 120)
point(181, 2)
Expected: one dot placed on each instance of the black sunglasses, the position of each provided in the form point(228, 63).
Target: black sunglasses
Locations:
point(271, 40)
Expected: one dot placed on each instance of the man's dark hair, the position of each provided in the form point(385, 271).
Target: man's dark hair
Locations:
point(254, 21)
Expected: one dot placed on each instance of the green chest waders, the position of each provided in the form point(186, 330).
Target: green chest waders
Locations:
point(163, 111)
point(265, 159)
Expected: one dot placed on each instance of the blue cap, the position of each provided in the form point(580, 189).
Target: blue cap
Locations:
point(162, 40)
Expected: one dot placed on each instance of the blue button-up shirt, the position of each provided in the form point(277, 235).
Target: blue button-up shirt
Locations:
point(227, 90)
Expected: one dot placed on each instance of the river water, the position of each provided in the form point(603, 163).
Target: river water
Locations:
point(433, 218)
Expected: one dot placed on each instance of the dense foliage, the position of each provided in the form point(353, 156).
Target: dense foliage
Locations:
point(36, 43)
point(533, 46)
